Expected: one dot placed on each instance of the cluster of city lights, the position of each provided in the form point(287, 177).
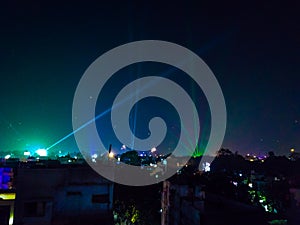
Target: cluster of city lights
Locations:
point(262, 200)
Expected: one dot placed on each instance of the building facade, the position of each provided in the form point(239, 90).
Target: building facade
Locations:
point(62, 196)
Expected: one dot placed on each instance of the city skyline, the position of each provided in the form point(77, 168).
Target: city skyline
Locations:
point(253, 53)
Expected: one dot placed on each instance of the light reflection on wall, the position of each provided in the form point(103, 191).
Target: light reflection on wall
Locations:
point(6, 175)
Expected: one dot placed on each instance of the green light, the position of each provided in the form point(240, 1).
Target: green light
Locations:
point(199, 151)
point(278, 222)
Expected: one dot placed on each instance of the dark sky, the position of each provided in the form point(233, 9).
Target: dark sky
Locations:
point(252, 48)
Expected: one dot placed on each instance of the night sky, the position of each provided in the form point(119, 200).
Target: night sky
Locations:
point(252, 48)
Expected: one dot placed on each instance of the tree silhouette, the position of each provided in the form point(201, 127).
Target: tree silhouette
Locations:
point(131, 158)
point(224, 152)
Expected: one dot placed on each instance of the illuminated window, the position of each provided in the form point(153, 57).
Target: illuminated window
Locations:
point(100, 198)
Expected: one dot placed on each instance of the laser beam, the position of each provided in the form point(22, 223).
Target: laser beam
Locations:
point(80, 128)
point(166, 74)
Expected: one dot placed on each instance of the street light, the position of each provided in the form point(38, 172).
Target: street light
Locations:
point(111, 155)
point(153, 149)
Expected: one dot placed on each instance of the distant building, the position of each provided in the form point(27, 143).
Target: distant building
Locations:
point(251, 158)
point(190, 204)
point(293, 211)
point(186, 205)
point(294, 156)
point(61, 196)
